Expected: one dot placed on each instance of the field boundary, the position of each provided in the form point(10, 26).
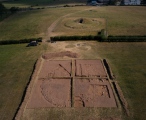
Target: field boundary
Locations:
point(121, 97)
point(28, 90)
point(100, 38)
point(7, 42)
point(116, 88)
point(108, 68)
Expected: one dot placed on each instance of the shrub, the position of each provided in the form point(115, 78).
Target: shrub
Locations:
point(126, 39)
point(103, 35)
point(6, 42)
point(14, 9)
point(69, 38)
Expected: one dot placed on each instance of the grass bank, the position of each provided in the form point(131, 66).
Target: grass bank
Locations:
point(31, 24)
point(128, 64)
point(16, 65)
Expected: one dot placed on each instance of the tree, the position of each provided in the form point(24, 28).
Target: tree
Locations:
point(2, 9)
point(143, 2)
point(14, 9)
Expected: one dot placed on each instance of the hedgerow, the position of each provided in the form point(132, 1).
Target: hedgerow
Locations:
point(6, 42)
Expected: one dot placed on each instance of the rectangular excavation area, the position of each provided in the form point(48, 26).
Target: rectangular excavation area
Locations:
point(89, 68)
point(56, 68)
point(51, 93)
point(93, 93)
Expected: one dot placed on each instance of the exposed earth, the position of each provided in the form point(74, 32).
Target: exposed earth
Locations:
point(59, 85)
point(93, 93)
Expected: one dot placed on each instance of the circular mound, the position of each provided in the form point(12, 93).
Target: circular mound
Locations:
point(60, 54)
point(83, 46)
point(82, 23)
point(70, 46)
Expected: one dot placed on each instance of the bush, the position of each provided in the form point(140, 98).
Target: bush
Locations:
point(69, 38)
point(66, 6)
point(6, 42)
point(126, 39)
point(14, 9)
point(103, 35)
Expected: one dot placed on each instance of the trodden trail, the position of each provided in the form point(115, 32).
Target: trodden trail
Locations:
point(54, 24)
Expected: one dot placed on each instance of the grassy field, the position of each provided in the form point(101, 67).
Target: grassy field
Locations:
point(126, 59)
point(31, 24)
point(128, 63)
point(16, 65)
point(28, 3)
point(120, 20)
point(71, 26)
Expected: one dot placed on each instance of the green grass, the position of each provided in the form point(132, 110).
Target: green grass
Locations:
point(126, 59)
point(120, 20)
point(31, 24)
point(70, 113)
point(27, 3)
point(71, 26)
point(128, 64)
point(16, 65)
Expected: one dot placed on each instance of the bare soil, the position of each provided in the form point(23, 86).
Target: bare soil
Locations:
point(93, 93)
point(90, 68)
point(51, 93)
point(55, 68)
point(60, 54)
point(55, 88)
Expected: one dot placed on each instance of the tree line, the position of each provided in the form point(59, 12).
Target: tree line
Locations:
point(4, 12)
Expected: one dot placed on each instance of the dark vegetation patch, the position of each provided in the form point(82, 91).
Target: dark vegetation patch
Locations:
point(102, 37)
point(6, 42)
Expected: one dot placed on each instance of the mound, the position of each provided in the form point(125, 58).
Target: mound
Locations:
point(60, 54)
point(82, 23)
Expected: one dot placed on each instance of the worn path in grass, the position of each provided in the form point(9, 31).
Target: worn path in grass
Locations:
point(54, 24)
